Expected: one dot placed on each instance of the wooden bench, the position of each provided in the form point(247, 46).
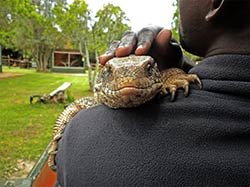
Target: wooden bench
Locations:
point(56, 96)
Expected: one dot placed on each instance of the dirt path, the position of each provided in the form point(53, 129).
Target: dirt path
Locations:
point(6, 75)
point(22, 169)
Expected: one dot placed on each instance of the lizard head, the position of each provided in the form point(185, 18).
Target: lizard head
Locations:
point(128, 81)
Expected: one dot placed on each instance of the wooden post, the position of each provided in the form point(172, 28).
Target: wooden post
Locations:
point(8, 61)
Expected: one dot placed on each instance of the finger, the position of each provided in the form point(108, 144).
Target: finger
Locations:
point(145, 39)
point(162, 39)
point(127, 44)
point(110, 53)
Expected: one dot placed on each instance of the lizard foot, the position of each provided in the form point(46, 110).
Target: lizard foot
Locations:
point(175, 78)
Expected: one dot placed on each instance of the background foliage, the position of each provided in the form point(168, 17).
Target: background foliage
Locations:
point(37, 27)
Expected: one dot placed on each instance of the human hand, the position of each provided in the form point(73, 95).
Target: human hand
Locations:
point(153, 41)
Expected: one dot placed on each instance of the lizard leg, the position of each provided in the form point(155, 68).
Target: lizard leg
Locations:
point(175, 78)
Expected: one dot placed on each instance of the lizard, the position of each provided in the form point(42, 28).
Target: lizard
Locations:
point(124, 82)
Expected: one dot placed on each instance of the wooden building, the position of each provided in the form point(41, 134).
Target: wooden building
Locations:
point(67, 61)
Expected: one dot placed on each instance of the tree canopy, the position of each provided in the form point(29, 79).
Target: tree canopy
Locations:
point(37, 27)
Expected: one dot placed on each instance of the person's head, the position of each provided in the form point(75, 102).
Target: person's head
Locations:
point(210, 27)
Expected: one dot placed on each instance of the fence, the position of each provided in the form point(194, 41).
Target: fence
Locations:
point(22, 63)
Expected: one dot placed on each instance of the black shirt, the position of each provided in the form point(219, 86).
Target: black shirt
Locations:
point(200, 140)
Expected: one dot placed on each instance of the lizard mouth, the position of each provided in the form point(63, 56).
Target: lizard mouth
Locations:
point(128, 95)
point(129, 90)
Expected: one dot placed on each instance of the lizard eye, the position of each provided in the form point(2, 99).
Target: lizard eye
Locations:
point(149, 69)
point(108, 71)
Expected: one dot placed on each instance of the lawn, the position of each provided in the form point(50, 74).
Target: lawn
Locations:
point(26, 129)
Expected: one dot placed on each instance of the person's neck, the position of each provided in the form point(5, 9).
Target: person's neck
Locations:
point(231, 43)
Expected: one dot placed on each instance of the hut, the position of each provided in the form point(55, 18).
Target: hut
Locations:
point(67, 61)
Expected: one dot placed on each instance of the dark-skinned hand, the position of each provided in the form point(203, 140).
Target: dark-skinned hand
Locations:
point(153, 41)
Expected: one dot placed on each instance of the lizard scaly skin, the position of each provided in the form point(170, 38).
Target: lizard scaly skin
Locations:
point(124, 83)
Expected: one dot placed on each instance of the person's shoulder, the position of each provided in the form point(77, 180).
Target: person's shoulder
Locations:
point(90, 114)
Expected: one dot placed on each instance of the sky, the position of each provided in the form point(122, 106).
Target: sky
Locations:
point(141, 13)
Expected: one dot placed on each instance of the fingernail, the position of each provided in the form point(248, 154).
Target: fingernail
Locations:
point(123, 46)
point(104, 58)
point(140, 46)
point(142, 49)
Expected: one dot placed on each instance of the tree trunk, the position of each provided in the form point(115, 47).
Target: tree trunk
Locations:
point(45, 60)
point(38, 66)
point(91, 84)
point(96, 66)
point(41, 60)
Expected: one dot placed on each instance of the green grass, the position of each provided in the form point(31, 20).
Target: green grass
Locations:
point(26, 129)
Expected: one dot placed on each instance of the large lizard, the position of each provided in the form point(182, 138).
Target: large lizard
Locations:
point(124, 83)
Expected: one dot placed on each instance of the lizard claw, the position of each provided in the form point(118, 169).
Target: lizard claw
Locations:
point(172, 90)
point(172, 95)
point(186, 90)
point(174, 79)
point(198, 82)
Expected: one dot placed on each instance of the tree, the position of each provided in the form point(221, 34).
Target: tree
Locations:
point(46, 36)
point(28, 27)
point(110, 24)
point(7, 11)
point(91, 36)
point(175, 21)
point(73, 22)
point(37, 27)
